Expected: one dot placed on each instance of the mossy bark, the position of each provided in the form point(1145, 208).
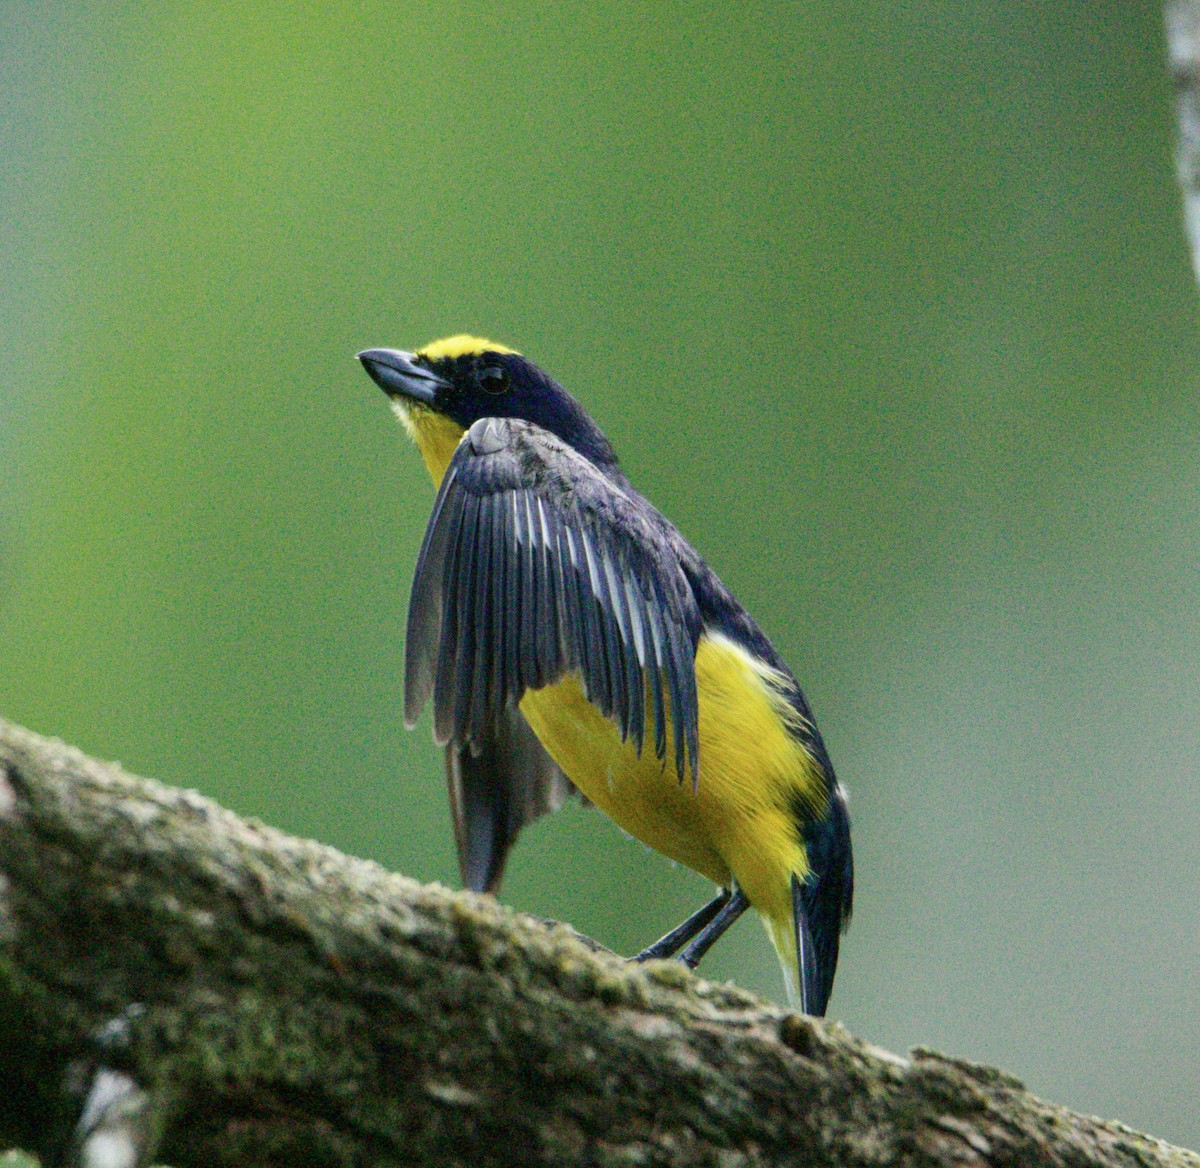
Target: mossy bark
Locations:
point(270, 1001)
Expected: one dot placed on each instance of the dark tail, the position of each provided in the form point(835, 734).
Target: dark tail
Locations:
point(821, 905)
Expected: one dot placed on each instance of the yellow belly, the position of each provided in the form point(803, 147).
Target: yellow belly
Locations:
point(740, 822)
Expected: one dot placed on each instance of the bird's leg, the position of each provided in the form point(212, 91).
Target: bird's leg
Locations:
point(667, 946)
point(733, 908)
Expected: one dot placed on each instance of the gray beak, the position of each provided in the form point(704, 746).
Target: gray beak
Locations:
point(398, 375)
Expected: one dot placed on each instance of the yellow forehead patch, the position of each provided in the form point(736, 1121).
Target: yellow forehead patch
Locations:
point(460, 345)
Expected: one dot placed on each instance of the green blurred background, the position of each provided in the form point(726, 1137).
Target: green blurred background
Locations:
point(887, 306)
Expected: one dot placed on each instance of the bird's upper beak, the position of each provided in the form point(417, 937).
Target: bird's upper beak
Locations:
point(398, 375)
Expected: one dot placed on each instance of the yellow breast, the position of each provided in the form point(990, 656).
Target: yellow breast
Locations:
point(741, 819)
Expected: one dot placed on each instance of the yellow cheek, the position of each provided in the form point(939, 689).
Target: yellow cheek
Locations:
point(436, 436)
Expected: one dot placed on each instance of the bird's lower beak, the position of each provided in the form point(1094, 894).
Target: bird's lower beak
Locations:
point(398, 375)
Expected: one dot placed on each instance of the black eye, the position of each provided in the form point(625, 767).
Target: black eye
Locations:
point(494, 379)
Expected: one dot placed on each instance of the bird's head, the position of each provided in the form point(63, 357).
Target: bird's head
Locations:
point(441, 390)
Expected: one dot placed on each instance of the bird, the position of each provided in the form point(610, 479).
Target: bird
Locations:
point(572, 641)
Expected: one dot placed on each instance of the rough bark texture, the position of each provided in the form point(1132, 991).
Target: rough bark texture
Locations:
point(249, 998)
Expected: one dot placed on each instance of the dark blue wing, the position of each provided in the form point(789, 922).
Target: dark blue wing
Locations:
point(535, 564)
point(494, 792)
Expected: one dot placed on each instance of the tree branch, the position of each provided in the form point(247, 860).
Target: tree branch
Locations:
point(1183, 50)
point(249, 998)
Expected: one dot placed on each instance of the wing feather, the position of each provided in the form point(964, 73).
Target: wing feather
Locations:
point(481, 601)
point(501, 622)
point(536, 564)
point(658, 639)
point(600, 606)
point(489, 814)
point(426, 605)
point(459, 566)
point(530, 653)
point(632, 682)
